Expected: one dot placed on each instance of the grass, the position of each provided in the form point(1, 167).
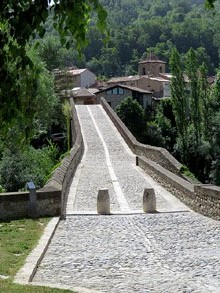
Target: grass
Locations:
point(17, 239)
point(185, 171)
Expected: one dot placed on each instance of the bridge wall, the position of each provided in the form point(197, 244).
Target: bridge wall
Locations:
point(202, 198)
point(165, 169)
point(14, 205)
point(62, 176)
point(51, 199)
point(156, 154)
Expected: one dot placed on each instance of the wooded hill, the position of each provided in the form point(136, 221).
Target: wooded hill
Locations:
point(140, 26)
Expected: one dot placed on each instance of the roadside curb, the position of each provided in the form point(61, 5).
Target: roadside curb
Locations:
point(26, 274)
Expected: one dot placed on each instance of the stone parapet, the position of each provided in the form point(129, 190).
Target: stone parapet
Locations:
point(62, 176)
point(202, 198)
point(51, 199)
point(208, 199)
point(156, 154)
point(14, 205)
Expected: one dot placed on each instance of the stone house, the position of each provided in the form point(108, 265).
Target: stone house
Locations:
point(81, 96)
point(73, 77)
point(151, 66)
point(152, 77)
point(116, 93)
point(158, 85)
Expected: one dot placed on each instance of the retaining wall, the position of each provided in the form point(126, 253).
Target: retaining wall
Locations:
point(51, 199)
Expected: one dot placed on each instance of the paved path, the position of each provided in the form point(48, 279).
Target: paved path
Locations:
point(174, 250)
point(109, 163)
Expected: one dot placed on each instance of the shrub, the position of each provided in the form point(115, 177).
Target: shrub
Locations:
point(17, 167)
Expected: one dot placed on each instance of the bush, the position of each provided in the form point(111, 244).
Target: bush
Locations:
point(17, 168)
point(153, 135)
point(133, 116)
point(2, 189)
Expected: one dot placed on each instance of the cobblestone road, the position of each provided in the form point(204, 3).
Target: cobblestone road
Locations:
point(106, 152)
point(170, 251)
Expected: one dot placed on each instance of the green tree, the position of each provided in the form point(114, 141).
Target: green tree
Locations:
point(214, 121)
point(55, 55)
point(36, 105)
point(17, 166)
point(133, 116)
point(192, 66)
point(67, 113)
point(178, 95)
point(210, 3)
point(206, 102)
point(21, 21)
point(165, 120)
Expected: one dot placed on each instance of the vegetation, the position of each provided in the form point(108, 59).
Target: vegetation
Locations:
point(19, 167)
point(187, 124)
point(29, 108)
point(39, 112)
point(138, 27)
point(132, 114)
point(33, 44)
point(18, 238)
point(20, 23)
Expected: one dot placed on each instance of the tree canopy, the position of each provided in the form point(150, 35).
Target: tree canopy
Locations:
point(210, 3)
point(23, 21)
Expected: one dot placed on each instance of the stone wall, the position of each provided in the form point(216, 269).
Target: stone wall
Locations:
point(204, 199)
point(51, 198)
point(62, 176)
point(114, 99)
point(156, 154)
point(165, 169)
point(208, 200)
point(14, 205)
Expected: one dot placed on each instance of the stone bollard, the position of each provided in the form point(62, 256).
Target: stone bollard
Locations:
point(149, 200)
point(103, 202)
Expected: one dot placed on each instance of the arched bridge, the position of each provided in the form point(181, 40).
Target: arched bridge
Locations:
point(109, 163)
point(173, 250)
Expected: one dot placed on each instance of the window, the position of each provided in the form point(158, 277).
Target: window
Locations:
point(120, 91)
point(115, 91)
point(143, 71)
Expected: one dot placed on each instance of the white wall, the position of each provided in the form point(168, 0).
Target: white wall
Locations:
point(87, 78)
point(166, 89)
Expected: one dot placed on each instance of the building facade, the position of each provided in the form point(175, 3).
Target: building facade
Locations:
point(72, 77)
point(115, 94)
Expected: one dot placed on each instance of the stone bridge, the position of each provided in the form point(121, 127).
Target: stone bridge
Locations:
point(172, 250)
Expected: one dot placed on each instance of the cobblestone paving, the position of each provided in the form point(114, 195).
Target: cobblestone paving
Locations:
point(168, 252)
point(128, 252)
point(95, 172)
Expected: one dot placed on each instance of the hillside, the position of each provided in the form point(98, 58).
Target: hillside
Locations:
point(140, 26)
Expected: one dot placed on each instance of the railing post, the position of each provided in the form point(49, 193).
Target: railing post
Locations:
point(32, 204)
